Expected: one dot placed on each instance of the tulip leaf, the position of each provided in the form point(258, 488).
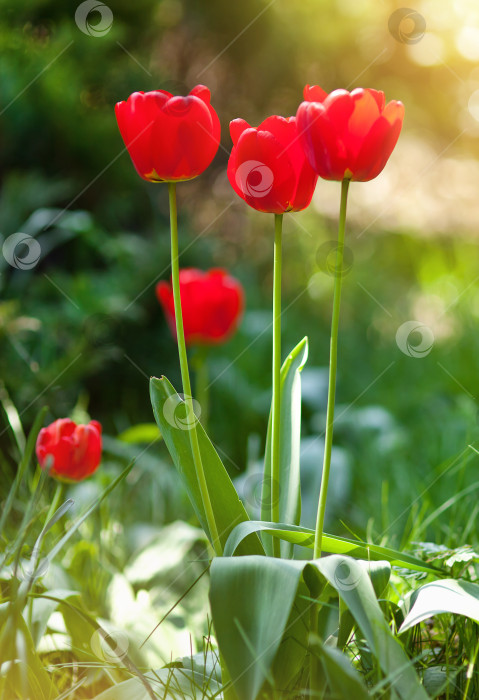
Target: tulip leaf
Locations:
point(344, 681)
point(168, 683)
point(290, 436)
point(333, 545)
point(351, 581)
point(227, 507)
point(446, 596)
point(251, 601)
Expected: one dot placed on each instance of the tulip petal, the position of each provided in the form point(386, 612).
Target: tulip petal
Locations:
point(323, 146)
point(237, 126)
point(261, 173)
point(286, 132)
point(379, 96)
point(365, 114)
point(202, 92)
point(183, 142)
point(313, 93)
point(376, 149)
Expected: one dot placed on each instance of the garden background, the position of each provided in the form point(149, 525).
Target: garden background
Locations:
point(82, 331)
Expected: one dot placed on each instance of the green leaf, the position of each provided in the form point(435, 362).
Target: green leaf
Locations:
point(379, 572)
point(25, 461)
point(446, 596)
point(290, 436)
point(334, 545)
point(251, 601)
point(35, 677)
point(143, 432)
point(350, 579)
point(227, 507)
point(291, 655)
point(343, 680)
point(43, 608)
point(168, 684)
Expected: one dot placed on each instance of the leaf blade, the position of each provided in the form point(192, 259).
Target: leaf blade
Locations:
point(227, 507)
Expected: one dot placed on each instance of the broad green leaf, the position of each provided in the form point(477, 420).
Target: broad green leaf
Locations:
point(292, 652)
point(251, 600)
point(168, 684)
point(379, 572)
point(227, 507)
point(441, 681)
point(42, 609)
point(206, 664)
point(343, 680)
point(290, 437)
point(90, 640)
point(333, 545)
point(446, 596)
point(350, 579)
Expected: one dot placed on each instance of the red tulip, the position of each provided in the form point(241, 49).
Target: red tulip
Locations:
point(267, 166)
point(211, 302)
point(169, 138)
point(348, 134)
point(71, 451)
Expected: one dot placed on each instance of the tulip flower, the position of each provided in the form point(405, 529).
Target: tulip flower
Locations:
point(267, 166)
point(212, 303)
point(348, 135)
point(269, 170)
point(169, 138)
point(71, 452)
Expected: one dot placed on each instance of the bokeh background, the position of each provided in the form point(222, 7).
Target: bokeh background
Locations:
point(81, 331)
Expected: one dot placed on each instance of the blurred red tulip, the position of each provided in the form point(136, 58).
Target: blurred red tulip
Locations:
point(212, 303)
point(71, 451)
point(348, 134)
point(267, 166)
point(169, 138)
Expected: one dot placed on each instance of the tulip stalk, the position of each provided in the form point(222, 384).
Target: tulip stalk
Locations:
point(200, 365)
point(276, 399)
point(333, 357)
point(185, 375)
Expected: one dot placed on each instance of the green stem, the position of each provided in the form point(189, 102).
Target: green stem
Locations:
point(202, 384)
point(276, 402)
point(328, 443)
point(185, 376)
